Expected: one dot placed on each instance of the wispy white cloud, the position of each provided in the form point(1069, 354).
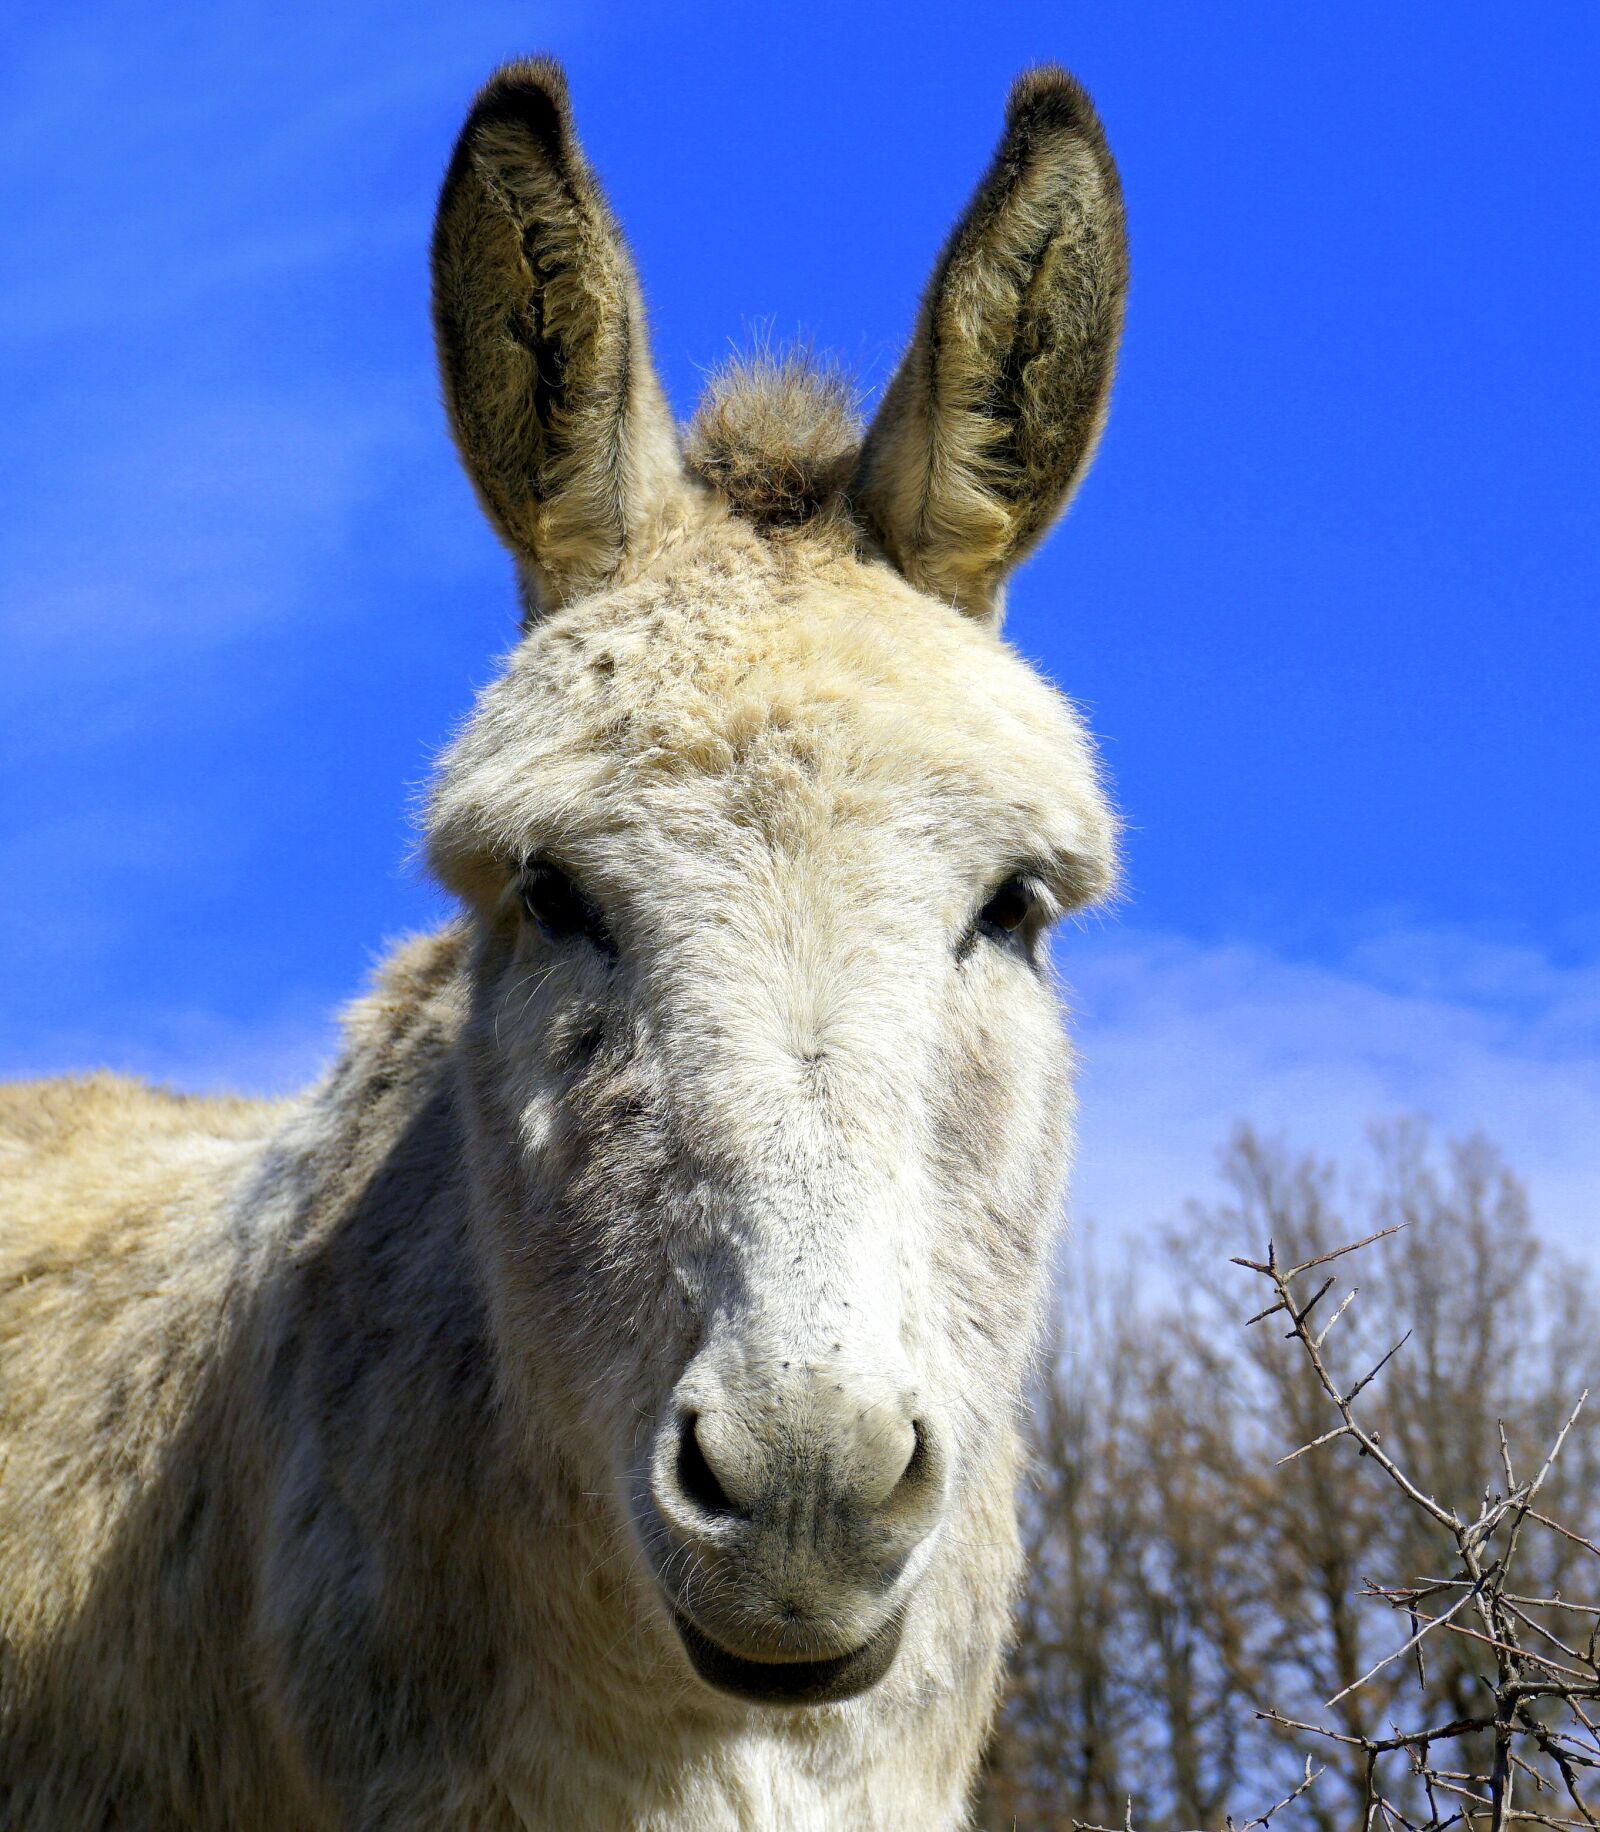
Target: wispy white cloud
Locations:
point(209, 516)
point(256, 146)
point(191, 1048)
point(218, 365)
point(1181, 1040)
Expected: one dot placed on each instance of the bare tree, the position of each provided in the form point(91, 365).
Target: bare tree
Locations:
point(1209, 1615)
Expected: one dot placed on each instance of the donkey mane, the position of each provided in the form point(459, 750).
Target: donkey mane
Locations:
point(777, 435)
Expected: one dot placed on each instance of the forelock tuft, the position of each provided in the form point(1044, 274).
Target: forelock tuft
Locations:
point(777, 435)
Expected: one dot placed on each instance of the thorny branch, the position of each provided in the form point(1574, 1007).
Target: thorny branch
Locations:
point(1533, 1704)
point(1230, 1824)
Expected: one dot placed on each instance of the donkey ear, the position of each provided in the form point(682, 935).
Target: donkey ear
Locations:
point(993, 414)
point(555, 407)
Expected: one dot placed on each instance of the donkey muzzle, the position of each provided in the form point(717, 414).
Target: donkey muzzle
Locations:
point(784, 1514)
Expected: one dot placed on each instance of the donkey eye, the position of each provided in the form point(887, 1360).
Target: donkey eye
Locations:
point(1009, 907)
point(560, 909)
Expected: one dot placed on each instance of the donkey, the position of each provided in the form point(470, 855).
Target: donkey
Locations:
point(595, 1402)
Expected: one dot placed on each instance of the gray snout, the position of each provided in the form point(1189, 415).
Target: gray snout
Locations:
point(789, 1504)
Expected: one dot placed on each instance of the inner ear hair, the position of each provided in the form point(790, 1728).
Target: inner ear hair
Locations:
point(993, 415)
point(552, 397)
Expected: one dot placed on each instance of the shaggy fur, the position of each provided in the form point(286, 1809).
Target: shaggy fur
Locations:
point(547, 374)
point(658, 1268)
point(994, 414)
point(778, 437)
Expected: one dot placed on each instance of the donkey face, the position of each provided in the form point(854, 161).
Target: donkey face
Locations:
point(762, 830)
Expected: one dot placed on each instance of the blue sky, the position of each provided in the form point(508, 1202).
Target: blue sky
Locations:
point(1328, 595)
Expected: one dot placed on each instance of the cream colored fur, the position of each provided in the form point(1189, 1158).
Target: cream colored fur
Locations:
point(338, 1438)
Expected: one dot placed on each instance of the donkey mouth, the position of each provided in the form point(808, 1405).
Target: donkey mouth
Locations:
point(792, 1682)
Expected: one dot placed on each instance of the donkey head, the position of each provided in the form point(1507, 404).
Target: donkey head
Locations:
point(761, 832)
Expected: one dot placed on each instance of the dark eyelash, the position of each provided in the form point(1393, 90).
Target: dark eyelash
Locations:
point(553, 900)
point(1004, 918)
point(1010, 904)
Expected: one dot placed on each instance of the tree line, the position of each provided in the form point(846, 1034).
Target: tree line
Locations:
point(1320, 1567)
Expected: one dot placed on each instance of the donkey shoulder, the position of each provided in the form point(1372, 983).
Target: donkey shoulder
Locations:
point(66, 1113)
point(78, 1153)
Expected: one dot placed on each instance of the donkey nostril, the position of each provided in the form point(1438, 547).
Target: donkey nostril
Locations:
point(918, 1471)
point(696, 1477)
point(917, 1462)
